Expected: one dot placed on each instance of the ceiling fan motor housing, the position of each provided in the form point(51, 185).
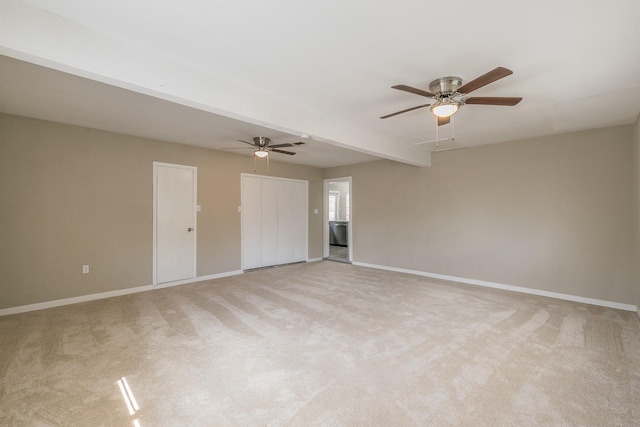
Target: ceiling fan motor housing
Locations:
point(262, 141)
point(445, 87)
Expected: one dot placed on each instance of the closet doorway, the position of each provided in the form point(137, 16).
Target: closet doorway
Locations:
point(274, 221)
point(338, 220)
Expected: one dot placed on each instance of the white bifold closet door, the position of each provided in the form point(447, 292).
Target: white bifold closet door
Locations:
point(274, 221)
point(292, 221)
point(269, 221)
point(251, 222)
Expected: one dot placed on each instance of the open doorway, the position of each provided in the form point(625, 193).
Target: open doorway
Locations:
point(338, 220)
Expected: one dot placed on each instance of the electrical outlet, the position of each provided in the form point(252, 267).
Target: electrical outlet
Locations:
point(85, 269)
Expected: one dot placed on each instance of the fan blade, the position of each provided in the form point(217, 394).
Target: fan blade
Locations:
point(443, 120)
point(404, 111)
point(281, 145)
point(290, 153)
point(493, 100)
point(485, 79)
point(250, 143)
point(413, 90)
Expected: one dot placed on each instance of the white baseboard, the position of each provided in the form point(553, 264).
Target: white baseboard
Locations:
point(110, 294)
point(592, 301)
point(314, 259)
point(198, 279)
point(73, 300)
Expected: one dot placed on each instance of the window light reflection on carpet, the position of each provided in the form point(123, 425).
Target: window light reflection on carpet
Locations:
point(128, 396)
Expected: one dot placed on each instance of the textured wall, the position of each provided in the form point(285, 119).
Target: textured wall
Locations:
point(555, 213)
point(73, 196)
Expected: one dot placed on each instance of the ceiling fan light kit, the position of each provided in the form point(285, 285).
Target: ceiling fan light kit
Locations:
point(450, 94)
point(445, 108)
point(261, 153)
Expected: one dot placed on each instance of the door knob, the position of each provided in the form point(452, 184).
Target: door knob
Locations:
point(189, 229)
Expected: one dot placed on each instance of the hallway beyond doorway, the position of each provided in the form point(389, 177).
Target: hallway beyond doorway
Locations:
point(339, 254)
point(338, 220)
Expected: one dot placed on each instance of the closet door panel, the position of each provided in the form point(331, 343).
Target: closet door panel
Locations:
point(251, 223)
point(299, 221)
point(270, 229)
point(286, 217)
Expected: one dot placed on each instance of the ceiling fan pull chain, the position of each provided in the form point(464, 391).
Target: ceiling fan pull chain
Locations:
point(453, 129)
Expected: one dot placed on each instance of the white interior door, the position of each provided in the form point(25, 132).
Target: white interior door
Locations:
point(175, 222)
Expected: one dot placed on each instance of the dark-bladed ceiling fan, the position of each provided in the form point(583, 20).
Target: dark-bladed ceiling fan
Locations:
point(450, 94)
point(262, 146)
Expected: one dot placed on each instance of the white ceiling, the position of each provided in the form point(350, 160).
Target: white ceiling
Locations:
point(207, 72)
point(35, 91)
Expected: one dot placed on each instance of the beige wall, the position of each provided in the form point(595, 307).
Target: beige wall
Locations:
point(636, 135)
point(555, 213)
point(73, 196)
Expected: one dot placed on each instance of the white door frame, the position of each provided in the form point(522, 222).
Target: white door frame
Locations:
point(325, 216)
point(155, 216)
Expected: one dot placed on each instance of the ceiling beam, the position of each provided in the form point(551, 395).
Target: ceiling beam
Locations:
point(34, 35)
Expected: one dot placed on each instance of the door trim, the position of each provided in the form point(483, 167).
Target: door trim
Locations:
point(154, 280)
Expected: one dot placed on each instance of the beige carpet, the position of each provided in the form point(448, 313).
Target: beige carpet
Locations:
point(322, 344)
